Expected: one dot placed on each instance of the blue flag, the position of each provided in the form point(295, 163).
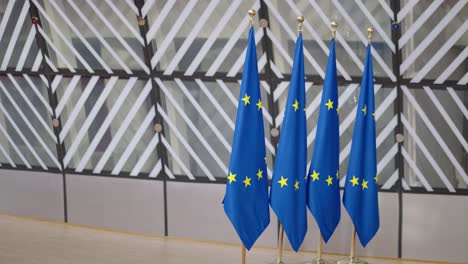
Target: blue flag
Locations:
point(323, 188)
point(288, 186)
point(246, 199)
point(361, 189)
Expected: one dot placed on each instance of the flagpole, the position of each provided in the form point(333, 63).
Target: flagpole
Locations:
point(251, 23)
point(243, 254)
point(279, 258)
point(352, 257)
point(319, 249)
point(353, 243)
point(319, 259)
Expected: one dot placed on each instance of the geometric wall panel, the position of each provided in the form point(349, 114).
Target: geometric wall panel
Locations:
point(150, 88)
point(94, 35)
point(106, 123)
point(437, 28)
point(435, 148)
point(17, 37)
point(26, 131)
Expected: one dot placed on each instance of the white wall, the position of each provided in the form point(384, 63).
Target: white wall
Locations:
point(32, 194)
point(121, 204)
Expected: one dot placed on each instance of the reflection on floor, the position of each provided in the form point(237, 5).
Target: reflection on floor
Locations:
point(25, 241)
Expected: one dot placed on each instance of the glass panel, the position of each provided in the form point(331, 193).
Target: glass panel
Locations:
point(26, 133)
point(93, 35)
point(441, 34)
point(18, 43)
point(216, 35)
point(436, 127)
point(101, 117)
point(203, 114)
point(353, 24)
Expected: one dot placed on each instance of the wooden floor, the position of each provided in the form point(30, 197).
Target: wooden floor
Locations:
point(25, 241)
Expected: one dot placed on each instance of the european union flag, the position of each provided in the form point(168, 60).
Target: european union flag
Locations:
point(323, 188)
point(360, 193)
point(246, 199)
point(288, 186)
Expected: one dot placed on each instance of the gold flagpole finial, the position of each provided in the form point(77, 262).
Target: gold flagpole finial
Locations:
point(252, 14)
point(334, 26)
point(370, 32)
point(300, 21)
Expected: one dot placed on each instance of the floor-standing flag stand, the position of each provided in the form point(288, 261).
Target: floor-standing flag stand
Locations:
point(352, 258)
point(288, 187)
point(246, 199)
point(361, 175)
point(319, 259)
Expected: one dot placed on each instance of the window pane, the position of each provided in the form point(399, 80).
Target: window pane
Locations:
point(107, 124)
point(26, 132)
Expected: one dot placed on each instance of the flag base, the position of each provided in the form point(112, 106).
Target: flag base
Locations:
point(318, 261)
point(351, 261)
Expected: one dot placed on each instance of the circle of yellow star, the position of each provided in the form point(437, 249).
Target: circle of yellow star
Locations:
point(283, 182)
point(259, 104)
point(364, 110)
point(296, 105)
point(364, 184)
point(296, 185)
point(247, 181)
point(315, 176)
point(232, 177)
point(260, 174)
point(246, 99)
point(354, 180)
point(329, 180)
point(329, 104)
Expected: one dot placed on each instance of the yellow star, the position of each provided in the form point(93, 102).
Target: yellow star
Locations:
point(376, 178)
point(364, 184)
point(364, 110)
point(259, 174)
point(246, 99)
point(329, 104)
point(338, 175)
point(265, 160)
point(247, 181)
point(329, 180)
point(232, 177)
point(259, 104)
point(338, 110)
point(315, 176)
point(296, 105)
point(373, 114)
point(296, 185)
point(354, 180)
point(283, 181)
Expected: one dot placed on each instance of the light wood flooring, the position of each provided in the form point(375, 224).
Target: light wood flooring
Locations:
point(26, 241)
